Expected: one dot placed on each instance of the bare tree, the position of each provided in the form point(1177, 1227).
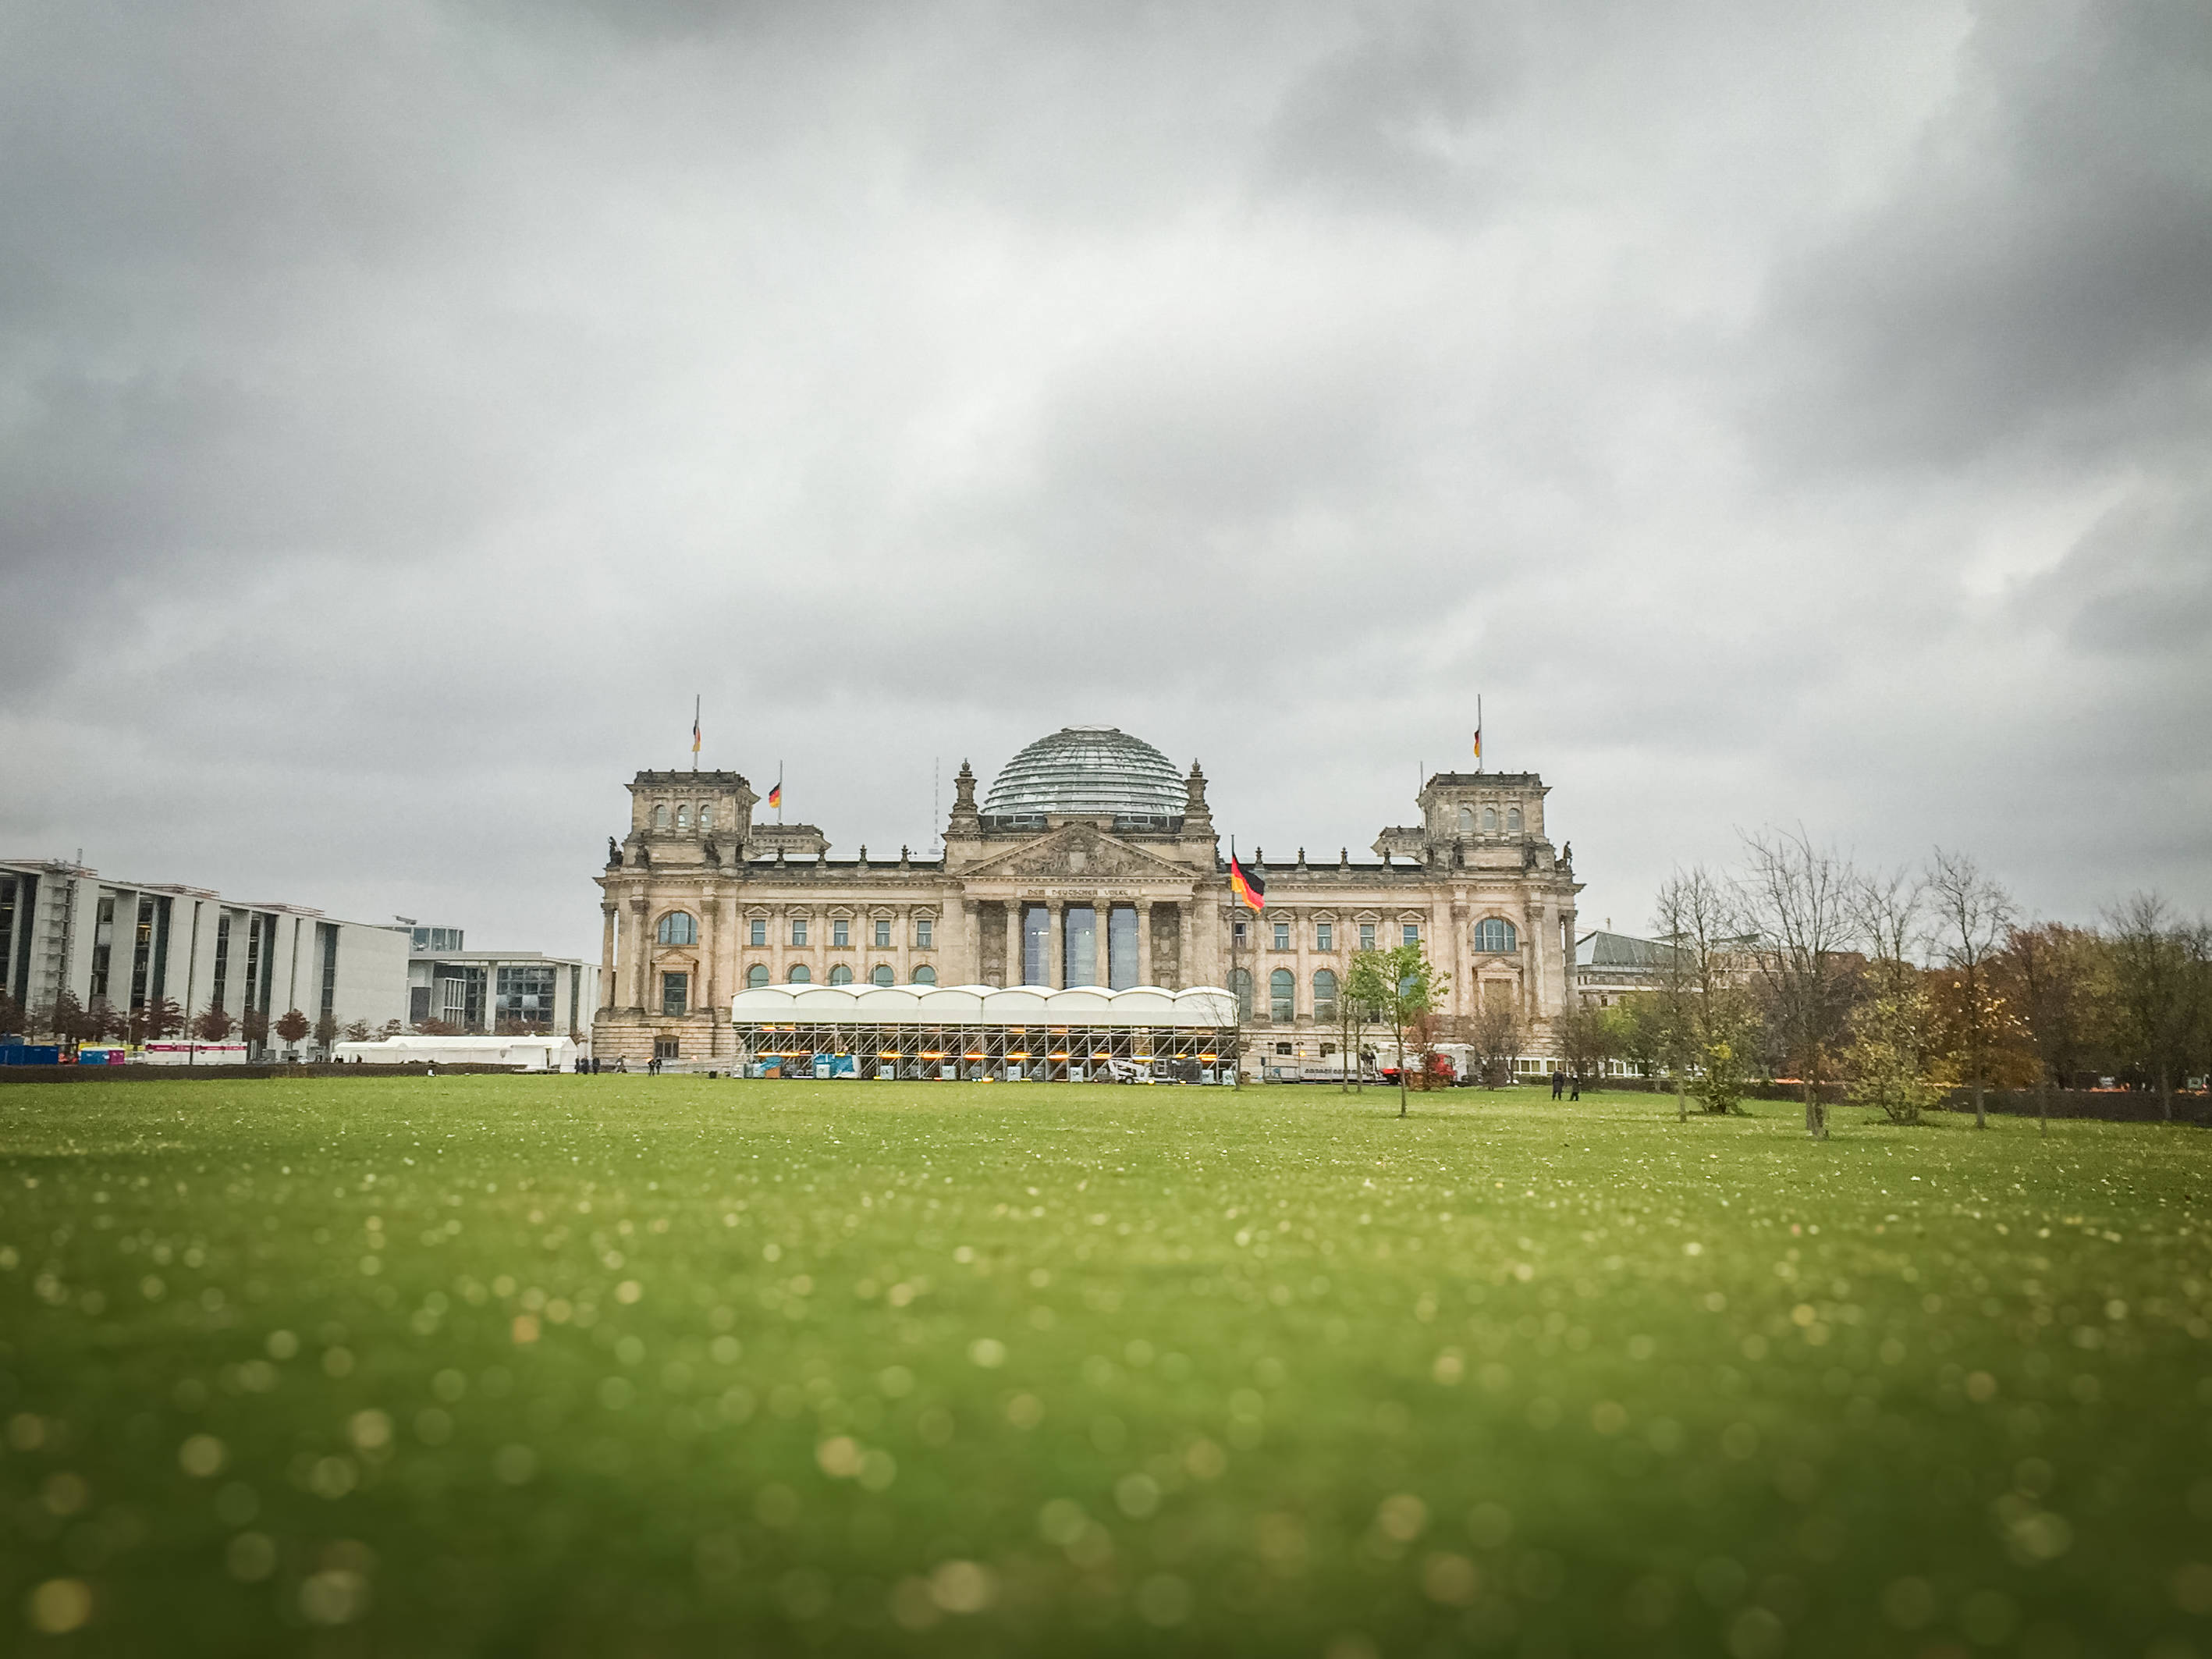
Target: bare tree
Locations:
point(2151, 998)
point(2057, 981)
point(1794, 900)
point(1497, 1034)
point(1585, 1040)
point(1703, 1021)
point(1972, 916)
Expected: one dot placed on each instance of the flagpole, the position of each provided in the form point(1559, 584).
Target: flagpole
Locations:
point(695, 731)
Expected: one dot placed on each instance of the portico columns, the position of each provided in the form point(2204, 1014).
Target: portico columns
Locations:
point(1144, 941)
point(607, 985)
point(1056, 967)
point(1013, 974)
point(637, 954)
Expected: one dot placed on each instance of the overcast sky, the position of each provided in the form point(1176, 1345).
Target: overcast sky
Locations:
point(1776, 413)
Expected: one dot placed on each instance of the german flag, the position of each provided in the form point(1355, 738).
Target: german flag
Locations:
point(1251, 890)
point(775, 794)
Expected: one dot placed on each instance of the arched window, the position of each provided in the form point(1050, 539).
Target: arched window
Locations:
point(925, 975)
point(1282, 996)
point(677, 927)
point(799, 974)
point(683, 817)
point(840, 975)
point(1325, 997)
point(756, 976)
point(1490, 820)
point(660, 816)
point(1493, 933)
point(1240, 981)
point(1513, 820)
point(1466, 820)
point(884, 976)
point(707, 816)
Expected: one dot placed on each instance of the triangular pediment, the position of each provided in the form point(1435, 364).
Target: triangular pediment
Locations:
point(1075, 852)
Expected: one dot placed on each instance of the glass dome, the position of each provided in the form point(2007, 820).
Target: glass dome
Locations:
point(1087, 768)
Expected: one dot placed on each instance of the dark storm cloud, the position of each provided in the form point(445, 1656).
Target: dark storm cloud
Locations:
point(2043, 272)
point(1776, 413)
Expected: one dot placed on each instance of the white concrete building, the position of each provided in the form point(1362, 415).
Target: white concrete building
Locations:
point(64, 927)
point(495, 991)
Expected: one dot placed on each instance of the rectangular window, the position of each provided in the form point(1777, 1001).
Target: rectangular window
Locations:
point(675, 994)
point(883, 934)
point(1366, 935)
point(799, 932)
point(1324, 936)
point(757, 935)
point(216, 999)
point(925, 933)
point(328, 937)
point(1412, 933)
point(1282, 936)
point(1237, 931)
point(103, 946)
point(667, 1048)
point(524, 996)
point(1121, 946)
point(840, 934)
point(1036, 944)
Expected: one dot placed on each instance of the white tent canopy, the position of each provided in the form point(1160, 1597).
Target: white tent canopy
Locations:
point(537, 1054)
point(1205, 1007)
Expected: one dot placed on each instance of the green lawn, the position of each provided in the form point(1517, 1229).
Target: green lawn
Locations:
point(644, 1365)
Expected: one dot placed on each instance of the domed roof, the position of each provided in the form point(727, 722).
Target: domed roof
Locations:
point(1088, 769)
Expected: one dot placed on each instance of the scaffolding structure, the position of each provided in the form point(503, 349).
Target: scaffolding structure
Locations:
point(982, 1033)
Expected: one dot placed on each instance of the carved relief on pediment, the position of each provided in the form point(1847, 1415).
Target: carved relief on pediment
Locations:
point(1075, 852)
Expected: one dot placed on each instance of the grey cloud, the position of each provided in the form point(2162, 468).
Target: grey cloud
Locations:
point(404, 411)
point(2042, 275)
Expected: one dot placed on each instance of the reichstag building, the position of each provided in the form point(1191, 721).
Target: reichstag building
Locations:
point(1092, 865)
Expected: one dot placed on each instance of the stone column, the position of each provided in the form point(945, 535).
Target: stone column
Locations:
point(1055, 965)
point(638, 964)
point(1012, 975)
point(606, 958)
point(1186, 944)
point(1144, 941)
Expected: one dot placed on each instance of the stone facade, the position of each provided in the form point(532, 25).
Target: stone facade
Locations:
point(699, 901)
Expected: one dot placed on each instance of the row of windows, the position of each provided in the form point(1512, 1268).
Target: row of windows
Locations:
point(676, 988)
point(681, 927)
point(1492, 934)
point(1282, 995)
point(1466, 820)
point(682, 818)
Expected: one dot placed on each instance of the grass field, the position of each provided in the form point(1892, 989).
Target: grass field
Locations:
point(646, 1365)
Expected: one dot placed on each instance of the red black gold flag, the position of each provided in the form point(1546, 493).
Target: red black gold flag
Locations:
point(1251, 890)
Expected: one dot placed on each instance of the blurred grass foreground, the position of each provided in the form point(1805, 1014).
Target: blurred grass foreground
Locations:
point(675, 1365)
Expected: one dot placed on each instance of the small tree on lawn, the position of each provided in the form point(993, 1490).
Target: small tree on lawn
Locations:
point(1496, 1036)
point(2151, 984)
point(1352, 1017)
point(292, 1026)
point(1888, 1055)
point(161, 1019)
point(253, 1026)
point(1972, 916)
point(388, 1029)
point(1794, 901)
point(12, 1022)
point(1585, 1041)
point(356, 1031)
point(2058, 981)
point(63, 1017)
point(1401, 986)
point(327, 1033)
point(213, 1025)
